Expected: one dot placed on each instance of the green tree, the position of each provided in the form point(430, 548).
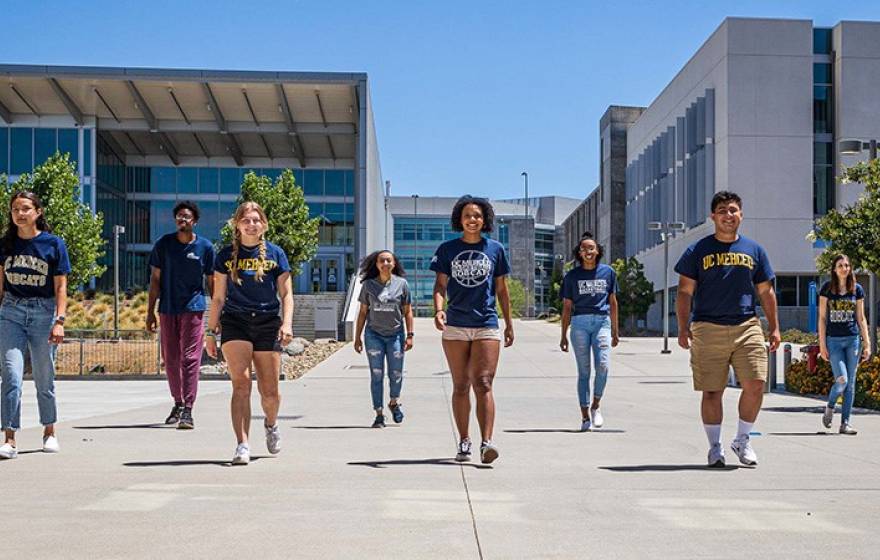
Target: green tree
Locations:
point(854, 230)
point(289, 224)
point(517, 298)
point(556, 289)
point(635, 294)
point(57, 184)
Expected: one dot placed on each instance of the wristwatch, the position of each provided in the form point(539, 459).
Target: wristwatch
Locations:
point(60, 319)
point(410, 335)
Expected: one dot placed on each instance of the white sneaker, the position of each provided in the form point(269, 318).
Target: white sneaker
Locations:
point(597, 418)
point(273, 439)
point(827, 416)
point(743, 450)
point(50, 444)
point(716, 456)
point(585, 425)
point(8, 451)
point(464, 451)
point(242, 454)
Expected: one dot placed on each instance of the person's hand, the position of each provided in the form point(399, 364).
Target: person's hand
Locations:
point(775, 339)
point(615, 340)
point(440, 320)
point(563, 344)
point(358, 345)
point(211, 345)
point(866, 353)
point(508, 335)
point(684, 338)
point(285, 335)
point(823, 352)
point(56, 336)
point(407, 346)
point(151, 321)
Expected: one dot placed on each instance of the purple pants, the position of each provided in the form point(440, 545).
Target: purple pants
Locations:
point(182, 338)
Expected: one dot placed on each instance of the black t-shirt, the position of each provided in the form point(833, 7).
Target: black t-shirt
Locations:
point(840, 315)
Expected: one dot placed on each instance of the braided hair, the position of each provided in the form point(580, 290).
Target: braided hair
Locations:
point(243, 209)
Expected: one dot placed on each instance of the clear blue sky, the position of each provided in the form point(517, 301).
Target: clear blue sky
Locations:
point(466, 95)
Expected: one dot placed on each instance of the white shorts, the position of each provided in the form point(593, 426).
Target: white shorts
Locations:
point(470, 334)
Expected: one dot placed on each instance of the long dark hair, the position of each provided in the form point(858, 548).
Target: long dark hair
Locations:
point(11, 235)
point(576, 251)
point(369, 268)
point(836, 288)
point(485, 207)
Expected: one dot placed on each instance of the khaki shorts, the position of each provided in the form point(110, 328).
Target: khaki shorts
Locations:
point(715, 348)
point(471, 333)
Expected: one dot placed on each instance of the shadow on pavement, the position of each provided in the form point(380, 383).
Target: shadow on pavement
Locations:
point(816, 410)
point(280, 417)
point(563, 431)
point(669, 468)
point(405, 462)
point(662, 382)
point(188, 463)
point(364, 427)
point(802, 434)
point(155, 425)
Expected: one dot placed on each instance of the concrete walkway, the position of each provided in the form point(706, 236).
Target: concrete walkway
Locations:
point(124, 487)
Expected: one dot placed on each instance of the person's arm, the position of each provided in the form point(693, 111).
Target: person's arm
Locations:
point(768, 303)
point(565, 322)
point(408, 318)
point(218, 299)
point(863, 327)
point(2, 283)
point(823, 311)
point(56, 335)
point(285, 293)
point(684, 296)
point(209, 284)
point(440, 301)
point(155, 284)
point(359, 327)
point(615, 334)
point(503, 295)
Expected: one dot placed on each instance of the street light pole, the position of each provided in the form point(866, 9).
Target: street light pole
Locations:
point(665, 229)
point(525, 175)
point(117, 231)
point(415, 198)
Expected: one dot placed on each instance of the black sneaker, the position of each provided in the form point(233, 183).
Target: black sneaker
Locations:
point(174, 417)
point(379, 422)
point(396, 413)
point(186, 419)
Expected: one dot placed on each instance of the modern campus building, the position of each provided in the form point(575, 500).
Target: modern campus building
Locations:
point(757, 110)
point(530, 232)
point(143, 139)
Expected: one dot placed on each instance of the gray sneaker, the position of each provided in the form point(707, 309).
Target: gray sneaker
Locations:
point(716, 457)
point(273, 439)
point(464, 451)
point(827, 416)
point(847, 429)
point(488, 452)
point(743, 449)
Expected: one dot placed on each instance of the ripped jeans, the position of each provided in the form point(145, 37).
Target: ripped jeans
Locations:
point(381, 348)
point(843, 353)
point(591, 332)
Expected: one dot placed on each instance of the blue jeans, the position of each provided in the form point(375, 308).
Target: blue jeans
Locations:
point(25, 324)
point(382, 349)
point(591, 332)
point(843, 353)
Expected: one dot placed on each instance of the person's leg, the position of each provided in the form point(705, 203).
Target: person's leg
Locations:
point(192, 340)
point(601, 346)
point(457, 356)
point(43, 363)
point(581, 341)
point(375, 347)
point(268, 365)
point(394, 356)
point(238, 354)
point(13, 341)
point(169, 336)
point(853, 352)
point(481, 366)
point(837, 360)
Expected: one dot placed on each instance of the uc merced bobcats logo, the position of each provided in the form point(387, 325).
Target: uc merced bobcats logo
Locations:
point(471, 268)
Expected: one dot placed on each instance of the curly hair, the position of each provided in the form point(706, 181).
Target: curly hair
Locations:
point(576, 251)
point(485, 207)
point(189, 205)
point(11, 235)
point(370, 269)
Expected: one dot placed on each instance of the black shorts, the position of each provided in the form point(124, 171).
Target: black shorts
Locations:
point(260, 329)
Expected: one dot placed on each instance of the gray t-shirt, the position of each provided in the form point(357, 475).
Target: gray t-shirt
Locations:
point(386, 303)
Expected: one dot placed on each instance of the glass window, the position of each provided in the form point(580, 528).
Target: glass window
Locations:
point(823, 189)
point(786, 291)
point(163, 180)
point(349, 183)
point(272, 174)
point(313, 181)
point(4, 150)
point(187, 180)
point(315, 208)
point(230, 180)
point(334, 212)
point(208, 179)
point(334, 182)
point(209, 221)
point(22, 149)
point(822, 109)
point(823, 153)
point(68, 143)
point(821, 73)
point(298, 177)
point(161, 220)
point(44, 144)
point(821, 41)
point(227, 209)
point(804, 289)
point(87, 151)
point(87, 195)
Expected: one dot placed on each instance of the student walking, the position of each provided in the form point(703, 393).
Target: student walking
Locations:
point(841, 320)
point(181, 264)
point(589, 305)
point(34, 265)
point(251, 286)
point(471, 273)
point(385, 306)
point(721, 274)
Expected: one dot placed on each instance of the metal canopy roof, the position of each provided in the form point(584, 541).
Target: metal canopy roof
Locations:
point(194, 113)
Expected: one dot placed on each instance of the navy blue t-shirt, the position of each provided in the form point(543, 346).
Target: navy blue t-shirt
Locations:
point(589, 290)
point(726, 274)
point(472, 269)
point(840, 316)
point(252, 296)
point(29, 271)
point(183, 266)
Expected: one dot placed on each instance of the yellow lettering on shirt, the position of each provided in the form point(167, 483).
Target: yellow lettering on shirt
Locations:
point(252, 264)
point(728, 259)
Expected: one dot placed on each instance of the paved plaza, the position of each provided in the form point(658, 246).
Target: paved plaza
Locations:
point(125, 486)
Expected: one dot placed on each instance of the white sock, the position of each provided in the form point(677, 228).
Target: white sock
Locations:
point(744, 429)
point(713, 432)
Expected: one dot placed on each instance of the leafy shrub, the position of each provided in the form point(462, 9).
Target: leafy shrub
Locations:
point(800, 380)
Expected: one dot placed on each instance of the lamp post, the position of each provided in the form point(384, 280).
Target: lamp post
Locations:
point(855, 147)
point(665, 229)
point(117, 231)
point(415, 198)
point(525, 176)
